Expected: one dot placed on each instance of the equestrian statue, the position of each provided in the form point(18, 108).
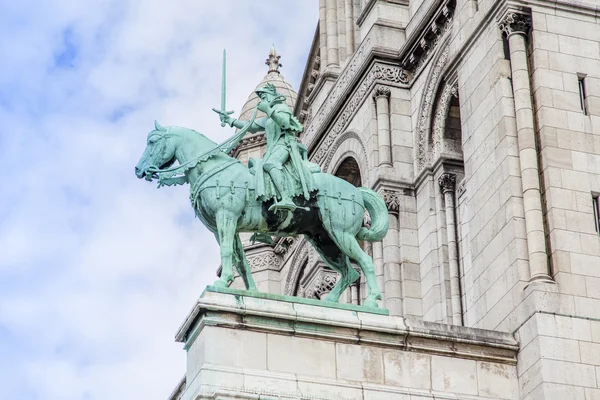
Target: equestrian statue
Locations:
point(282, 194)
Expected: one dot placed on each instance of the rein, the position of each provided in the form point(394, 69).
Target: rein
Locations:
point(167, 177)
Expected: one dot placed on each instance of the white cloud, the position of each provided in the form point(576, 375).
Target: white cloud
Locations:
point(97, 268)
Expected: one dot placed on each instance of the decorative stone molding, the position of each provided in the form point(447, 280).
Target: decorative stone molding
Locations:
point(392, 199)
point(514, 22)
point(424, 46)
point(305, 256)
point(265, 260)
point(439, 120)
point(284, 245)
point(447, 182)
point(382, 91)
point(302, 116)
point(252, 141)
point(321, 284)
point(364, 160)
point(303, 101)
point(377, 73)
point(339, 88)
point(427, 102)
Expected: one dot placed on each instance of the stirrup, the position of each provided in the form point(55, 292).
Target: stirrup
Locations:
point(286, 206)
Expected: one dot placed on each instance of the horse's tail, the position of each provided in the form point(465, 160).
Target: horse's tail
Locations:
point(378, 211)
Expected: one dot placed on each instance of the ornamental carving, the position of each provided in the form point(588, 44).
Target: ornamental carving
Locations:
point(252, 141)
point(392, 199)
point(382, 91)
point(447, 182)
point(424, 47)
point(423, 123)
point(336, 145)
point(377, 73)
point(515, 22)
point(266, 260)
point(322, 284)
point(284, 245)
point(439, 121)
point(340, 87)
point(298, 261)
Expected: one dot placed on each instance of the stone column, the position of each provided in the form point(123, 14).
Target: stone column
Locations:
point(378, 267)
point(341, 31)
point(516, 26)
point(323, 34)
point(333, 52)
point(349, 28)
point(444, 269)
point(391, 256)
point(382, 99)
point(354, 293)
point(448, 184)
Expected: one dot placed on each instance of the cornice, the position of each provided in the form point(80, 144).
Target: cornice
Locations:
point(442, 163)
point(365, 11)
point(308, 70)
point(419, 46)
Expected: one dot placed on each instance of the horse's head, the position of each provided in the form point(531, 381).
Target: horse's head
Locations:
point(159, 153)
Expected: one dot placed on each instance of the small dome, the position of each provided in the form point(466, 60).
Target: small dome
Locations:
point(275, 78)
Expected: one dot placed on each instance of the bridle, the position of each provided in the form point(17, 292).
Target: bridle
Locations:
point(176, 175)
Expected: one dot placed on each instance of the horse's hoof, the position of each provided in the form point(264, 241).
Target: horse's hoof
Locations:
point(331, 299)
point(369, 303)
point(220, 284)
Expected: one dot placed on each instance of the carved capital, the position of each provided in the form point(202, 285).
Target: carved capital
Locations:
point(283, 245)
point(447, 182)
point(392, 200)
point(322, 285)
point(515, 23)
point(382, 91)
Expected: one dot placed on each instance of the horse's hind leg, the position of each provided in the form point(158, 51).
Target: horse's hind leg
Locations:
point(241, 263)
point(349, 245)
point(338, 261)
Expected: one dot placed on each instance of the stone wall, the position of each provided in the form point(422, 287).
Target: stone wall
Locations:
point(239, 345)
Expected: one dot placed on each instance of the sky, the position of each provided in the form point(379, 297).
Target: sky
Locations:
point(97, 268)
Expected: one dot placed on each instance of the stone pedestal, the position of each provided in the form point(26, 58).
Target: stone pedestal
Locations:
point(244, 345)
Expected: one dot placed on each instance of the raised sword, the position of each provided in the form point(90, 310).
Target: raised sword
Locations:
point(222, 111)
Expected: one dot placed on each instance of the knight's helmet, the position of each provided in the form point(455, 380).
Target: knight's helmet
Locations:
point(254, 144)
point(269, 88)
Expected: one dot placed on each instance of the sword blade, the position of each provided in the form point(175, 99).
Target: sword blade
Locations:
point(223, 111)
point(224, 82)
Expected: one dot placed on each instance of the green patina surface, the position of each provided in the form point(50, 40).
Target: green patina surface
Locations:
point(296, 300)
point(282, 194)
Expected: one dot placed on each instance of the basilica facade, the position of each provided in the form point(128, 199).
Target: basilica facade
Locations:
point(478, 122)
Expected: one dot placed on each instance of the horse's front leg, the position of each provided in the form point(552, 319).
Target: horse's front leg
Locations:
point(226, 227)
point(242, 264)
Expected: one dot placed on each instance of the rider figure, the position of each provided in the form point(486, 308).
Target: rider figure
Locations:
point(281, 128)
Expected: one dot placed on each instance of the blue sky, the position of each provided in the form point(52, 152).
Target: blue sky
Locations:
point(97, 268)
